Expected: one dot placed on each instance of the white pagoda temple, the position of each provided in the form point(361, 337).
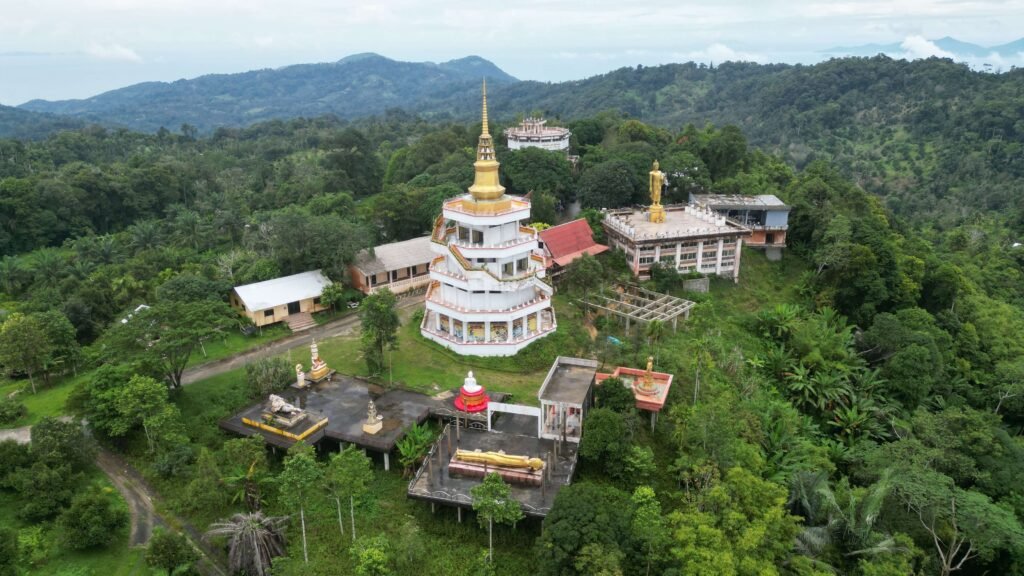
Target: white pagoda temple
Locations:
point(486, 296)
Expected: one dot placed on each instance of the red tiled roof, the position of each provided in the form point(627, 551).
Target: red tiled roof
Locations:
point(568, 258)
point(570, 240)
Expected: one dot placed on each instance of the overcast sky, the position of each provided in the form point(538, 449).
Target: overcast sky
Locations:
point(56, 49)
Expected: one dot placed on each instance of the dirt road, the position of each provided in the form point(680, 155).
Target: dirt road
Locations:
point(341, 327)
point(136, 493)
point(20, 435)
point(140, 497)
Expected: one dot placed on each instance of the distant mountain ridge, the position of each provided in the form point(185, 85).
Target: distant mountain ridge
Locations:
point(26, 125)
point(355, 86)
point(948, 44)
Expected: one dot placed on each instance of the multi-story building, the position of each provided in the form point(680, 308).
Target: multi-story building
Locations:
point(765, 215)
point(687, 238)
point(486, 296)
point(533, 133)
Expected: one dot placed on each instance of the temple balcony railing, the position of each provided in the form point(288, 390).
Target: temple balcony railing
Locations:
point(538, 303)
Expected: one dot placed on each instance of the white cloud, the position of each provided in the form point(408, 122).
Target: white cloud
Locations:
point(716, 53)
point(112, 51)
point(915, 47)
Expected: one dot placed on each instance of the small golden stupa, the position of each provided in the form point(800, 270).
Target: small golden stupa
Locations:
point(656, 180)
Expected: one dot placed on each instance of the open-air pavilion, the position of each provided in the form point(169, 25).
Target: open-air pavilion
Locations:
point(636, 304)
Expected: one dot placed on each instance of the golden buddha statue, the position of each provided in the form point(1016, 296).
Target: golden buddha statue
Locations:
point(499, 459)
point(645, 385)
point(657, 182)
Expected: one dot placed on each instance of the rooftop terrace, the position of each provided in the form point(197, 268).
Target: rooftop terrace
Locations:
point(680, 222)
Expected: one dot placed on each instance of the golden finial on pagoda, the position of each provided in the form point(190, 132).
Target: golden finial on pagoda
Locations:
point(486, 130)
point(486, 185)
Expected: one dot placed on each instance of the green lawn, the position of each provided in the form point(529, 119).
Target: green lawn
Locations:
point(419, 365)
point(52, 559)
point(48, 401)
point(235, 342)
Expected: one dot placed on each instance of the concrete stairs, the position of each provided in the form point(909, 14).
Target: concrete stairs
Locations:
point(299, 322)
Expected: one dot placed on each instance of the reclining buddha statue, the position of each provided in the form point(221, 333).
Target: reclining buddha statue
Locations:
point(499, 459)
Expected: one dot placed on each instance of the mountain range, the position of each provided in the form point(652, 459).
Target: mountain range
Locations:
point(355, 86)
point(957, 48)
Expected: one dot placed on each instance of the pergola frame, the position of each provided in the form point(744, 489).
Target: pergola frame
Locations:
point(637, 304)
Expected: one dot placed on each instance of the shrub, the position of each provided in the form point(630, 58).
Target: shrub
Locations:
point(11, 410)
point(94, 519)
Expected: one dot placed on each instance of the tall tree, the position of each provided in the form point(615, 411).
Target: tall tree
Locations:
point(493, 502)
point(140, 400)
point(380, 324)
point(164, 335)
point(298, 482)
point(24, 346)
point(649, 527)
point(348, 474)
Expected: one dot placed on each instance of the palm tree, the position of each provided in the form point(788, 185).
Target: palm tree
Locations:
point(844, 519)
point(655, 331)
point(779, 321)
point(144, 234)
point(12, 272)
point(48, 266)
point(253, 541)
point(246, 483)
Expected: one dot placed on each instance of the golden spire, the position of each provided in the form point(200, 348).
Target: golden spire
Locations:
point(486, 185)
point(486, 130)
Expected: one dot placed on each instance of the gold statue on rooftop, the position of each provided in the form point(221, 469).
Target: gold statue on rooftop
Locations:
point(657, 182)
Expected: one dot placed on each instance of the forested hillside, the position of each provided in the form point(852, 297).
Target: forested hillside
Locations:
point(854, 409)
point(940, 142)
point(25, 125)
point(356, 86)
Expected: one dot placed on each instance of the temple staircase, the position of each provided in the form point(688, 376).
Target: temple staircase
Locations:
point(300, 321)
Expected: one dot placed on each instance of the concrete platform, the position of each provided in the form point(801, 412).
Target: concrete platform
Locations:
point(433, 482)
point(343, 401)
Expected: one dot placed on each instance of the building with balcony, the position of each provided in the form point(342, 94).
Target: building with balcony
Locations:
point(534, 133)
point(486, 295)
point(765, 215)
point(688, 238)
point(398, 266)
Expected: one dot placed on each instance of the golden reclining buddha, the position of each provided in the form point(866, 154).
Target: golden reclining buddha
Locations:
point(499, 459)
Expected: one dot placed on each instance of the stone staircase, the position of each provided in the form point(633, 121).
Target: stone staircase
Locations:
point(299, 322)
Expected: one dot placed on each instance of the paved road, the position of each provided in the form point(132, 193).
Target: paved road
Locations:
point(341, 327)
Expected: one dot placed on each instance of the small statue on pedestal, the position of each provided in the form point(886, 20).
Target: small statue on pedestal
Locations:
point(300, 376)
point(318, 369)
point(373, 420)
point(646, 385)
